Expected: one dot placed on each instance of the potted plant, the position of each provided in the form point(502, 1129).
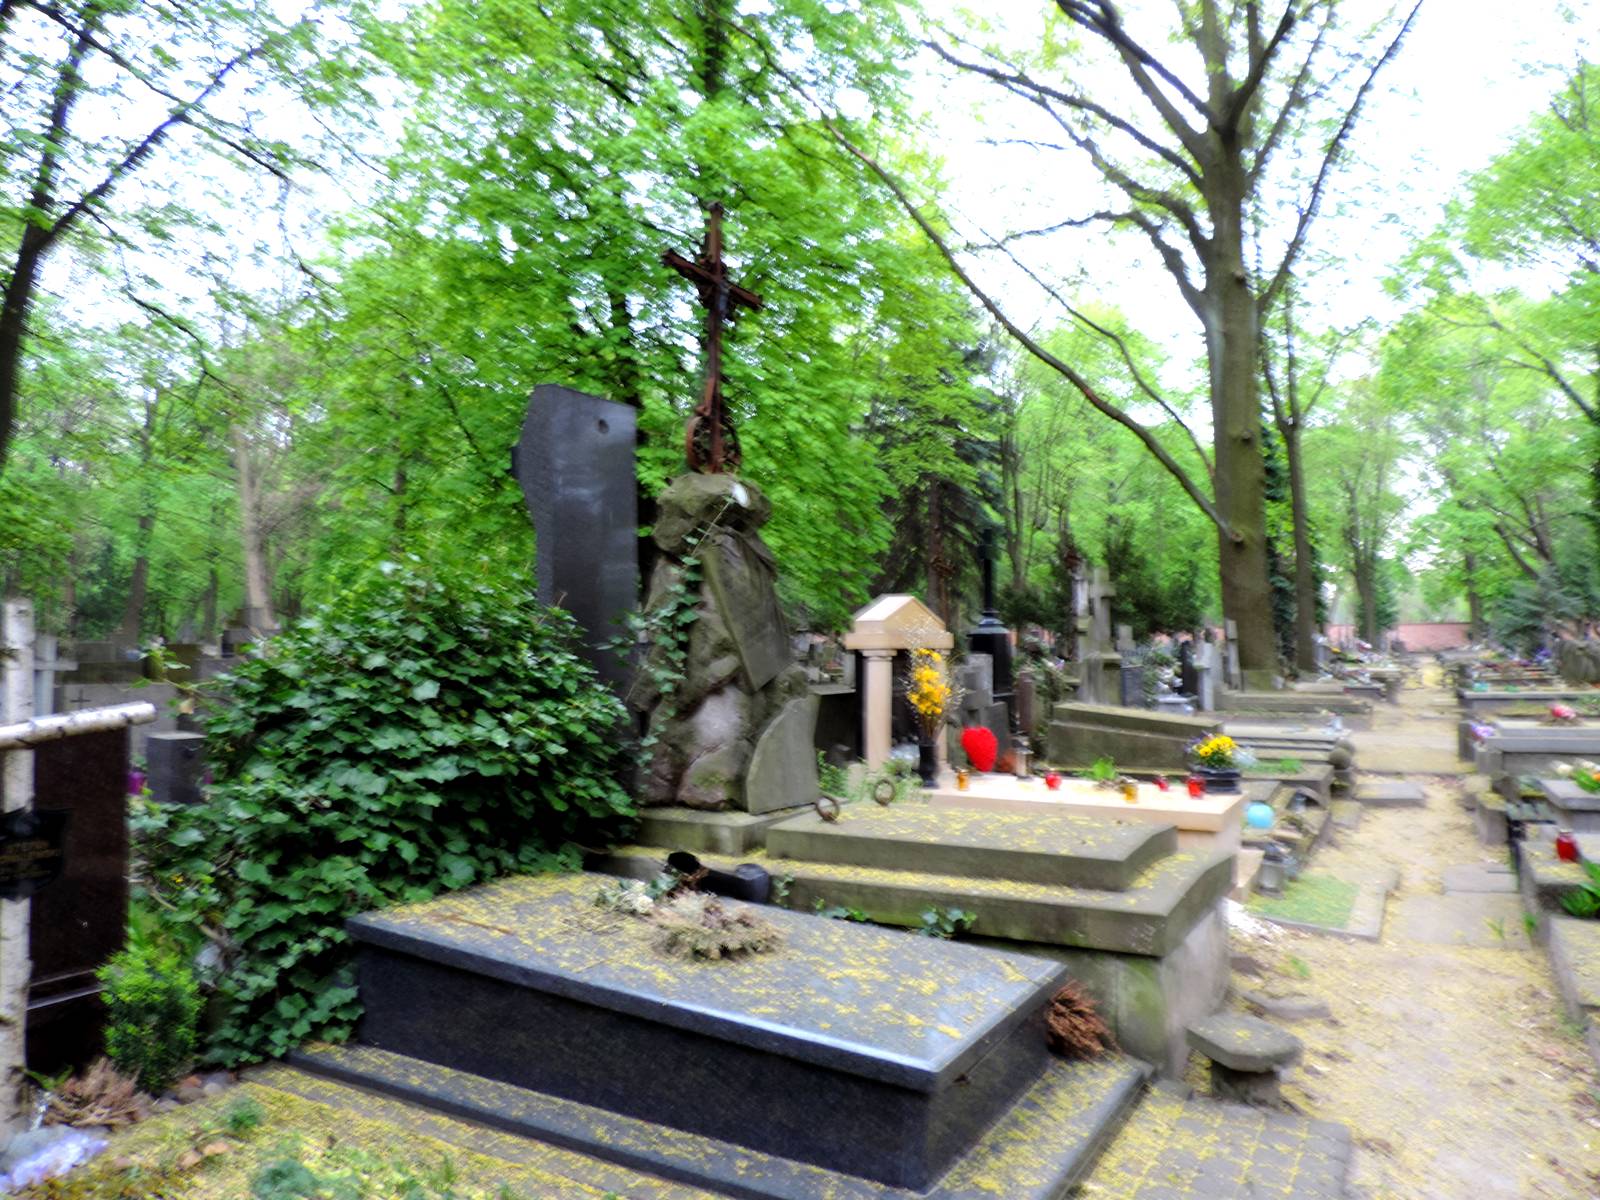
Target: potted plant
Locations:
point(933, 699)
point(1216, 760)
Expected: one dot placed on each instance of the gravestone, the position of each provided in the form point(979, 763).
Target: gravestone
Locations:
point(575, 464)
point(739, 689)
point(175, 767)
point(1234, 678)
point(1207, 673)
point(80, 920)
point(1101, 676)
point(1188, 673)
point(979, 704)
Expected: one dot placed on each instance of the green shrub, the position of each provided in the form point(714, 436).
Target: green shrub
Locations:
point(152, 1006)
point(414, 738)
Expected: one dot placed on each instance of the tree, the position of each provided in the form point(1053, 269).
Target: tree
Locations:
point(1189, 188)
point(75, 75)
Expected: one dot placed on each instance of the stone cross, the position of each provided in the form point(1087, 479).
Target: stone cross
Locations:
point(1100, 596)
point(47, 664)
point(710, 444)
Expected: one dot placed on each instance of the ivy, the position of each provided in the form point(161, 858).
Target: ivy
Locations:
point(418, 736)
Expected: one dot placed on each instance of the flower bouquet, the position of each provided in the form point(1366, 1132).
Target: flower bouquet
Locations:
point(934, 697)
point(1586, 775)
point(1216, 760)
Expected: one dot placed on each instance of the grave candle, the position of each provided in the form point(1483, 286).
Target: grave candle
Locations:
point(1566, 846)
point(1197, 786)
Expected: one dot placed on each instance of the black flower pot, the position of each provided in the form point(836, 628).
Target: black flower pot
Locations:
point(1222, 780)
point(927, 765)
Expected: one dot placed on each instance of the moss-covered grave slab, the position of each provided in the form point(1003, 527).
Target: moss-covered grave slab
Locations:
point(1150, 917)
point(1049, 848)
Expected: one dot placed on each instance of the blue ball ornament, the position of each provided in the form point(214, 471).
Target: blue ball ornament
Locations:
point(1259, 815)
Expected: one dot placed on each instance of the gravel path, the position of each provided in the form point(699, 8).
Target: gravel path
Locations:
point(1447, 1052)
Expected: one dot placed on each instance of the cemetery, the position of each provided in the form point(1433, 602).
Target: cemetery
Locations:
point(612, 603)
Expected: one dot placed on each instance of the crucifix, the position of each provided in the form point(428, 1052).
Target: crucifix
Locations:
point(709, 442)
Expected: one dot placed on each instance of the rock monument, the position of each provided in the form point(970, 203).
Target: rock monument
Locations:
point(731, 728)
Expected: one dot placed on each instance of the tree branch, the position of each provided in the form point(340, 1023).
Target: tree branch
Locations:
point(1100, 18)
point(1076, 102)
point(1329, 158)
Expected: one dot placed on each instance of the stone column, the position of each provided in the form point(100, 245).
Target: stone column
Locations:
point(877, 706)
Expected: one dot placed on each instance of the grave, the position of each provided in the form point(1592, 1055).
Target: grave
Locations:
point(1157, 741)
point(1392, 793)
point(63, 853)
point(1570, 806)
point(1296, 707)
point(849, 1061)
point(1151, 949)
point(1509, 756)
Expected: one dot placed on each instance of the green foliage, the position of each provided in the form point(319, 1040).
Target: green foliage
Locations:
point(152, 1006)
point(839, 912)
point(1584, 900)
point(946, 923)
point(418, 736)
point(831, 780)
point(1102, 770)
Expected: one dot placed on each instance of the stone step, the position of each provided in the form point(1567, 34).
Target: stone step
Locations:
point(1392, 793)
point(792, 1052)
point(1151, 917)
point(520, 1165)
point(1046, 848)
point(1177, 1146)
point(1037, 1150)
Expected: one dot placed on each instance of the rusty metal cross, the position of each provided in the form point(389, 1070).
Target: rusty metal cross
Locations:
point(709, 441)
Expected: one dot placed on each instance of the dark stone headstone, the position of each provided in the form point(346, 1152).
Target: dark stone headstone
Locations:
point(1188, 671)
point(176, 766)
point(1132, 687)
point(81, 919)
point(575, 463)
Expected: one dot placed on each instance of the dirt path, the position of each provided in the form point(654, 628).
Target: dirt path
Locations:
point(1448, 1052)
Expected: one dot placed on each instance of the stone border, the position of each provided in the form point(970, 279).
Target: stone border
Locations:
point(1366, 913)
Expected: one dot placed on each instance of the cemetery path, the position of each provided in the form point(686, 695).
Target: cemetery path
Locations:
point(1447, 1051)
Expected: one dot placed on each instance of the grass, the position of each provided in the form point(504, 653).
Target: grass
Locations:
point(1276, 766)
point(257, 1143)
point(1311, 900)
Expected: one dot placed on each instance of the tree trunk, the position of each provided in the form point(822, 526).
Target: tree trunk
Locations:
point(1475, 625)
point(132, 625)
point(13, 327)
point(1366, 573)
point(1233, 346)
point(1305, 574)
point(258, 614)
point(208, 605)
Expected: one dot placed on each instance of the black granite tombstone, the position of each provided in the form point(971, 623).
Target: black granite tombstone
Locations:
point(1188, 672)
point(176, 766)
point(81, 919)
point(575, 463)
